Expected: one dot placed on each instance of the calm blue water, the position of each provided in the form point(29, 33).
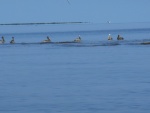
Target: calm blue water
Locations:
point(94, 76)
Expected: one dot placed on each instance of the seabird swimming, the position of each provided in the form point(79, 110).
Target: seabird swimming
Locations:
point(109, 37)
point(120, 38)
point(46, 41)
point(78, 39)
point(2, 41)
point(12, 41)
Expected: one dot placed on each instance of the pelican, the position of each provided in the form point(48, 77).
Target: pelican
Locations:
point(12, 41)
point(78, 39)
point(109, 37)
point(120, 38)
point(46, 41)
point(2, 41)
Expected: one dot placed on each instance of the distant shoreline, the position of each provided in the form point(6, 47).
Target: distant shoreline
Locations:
point(44, 23)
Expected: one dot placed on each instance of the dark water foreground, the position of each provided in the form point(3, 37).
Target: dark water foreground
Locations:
point(94, 76)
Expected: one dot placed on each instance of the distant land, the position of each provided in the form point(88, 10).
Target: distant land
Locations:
point(44, 23)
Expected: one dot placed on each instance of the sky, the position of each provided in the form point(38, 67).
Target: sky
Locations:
point(94, 11)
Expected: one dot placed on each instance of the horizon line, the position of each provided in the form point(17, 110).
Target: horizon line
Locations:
point(40, 23)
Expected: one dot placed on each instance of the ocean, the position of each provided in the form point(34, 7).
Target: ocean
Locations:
point(93, 76)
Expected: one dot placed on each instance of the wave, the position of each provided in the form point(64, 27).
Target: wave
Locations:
point(87, 44)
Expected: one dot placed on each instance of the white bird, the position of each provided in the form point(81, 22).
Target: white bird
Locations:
point(109, 37)
point(78, 39)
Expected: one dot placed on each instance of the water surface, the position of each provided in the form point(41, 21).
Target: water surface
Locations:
point(95, 75)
